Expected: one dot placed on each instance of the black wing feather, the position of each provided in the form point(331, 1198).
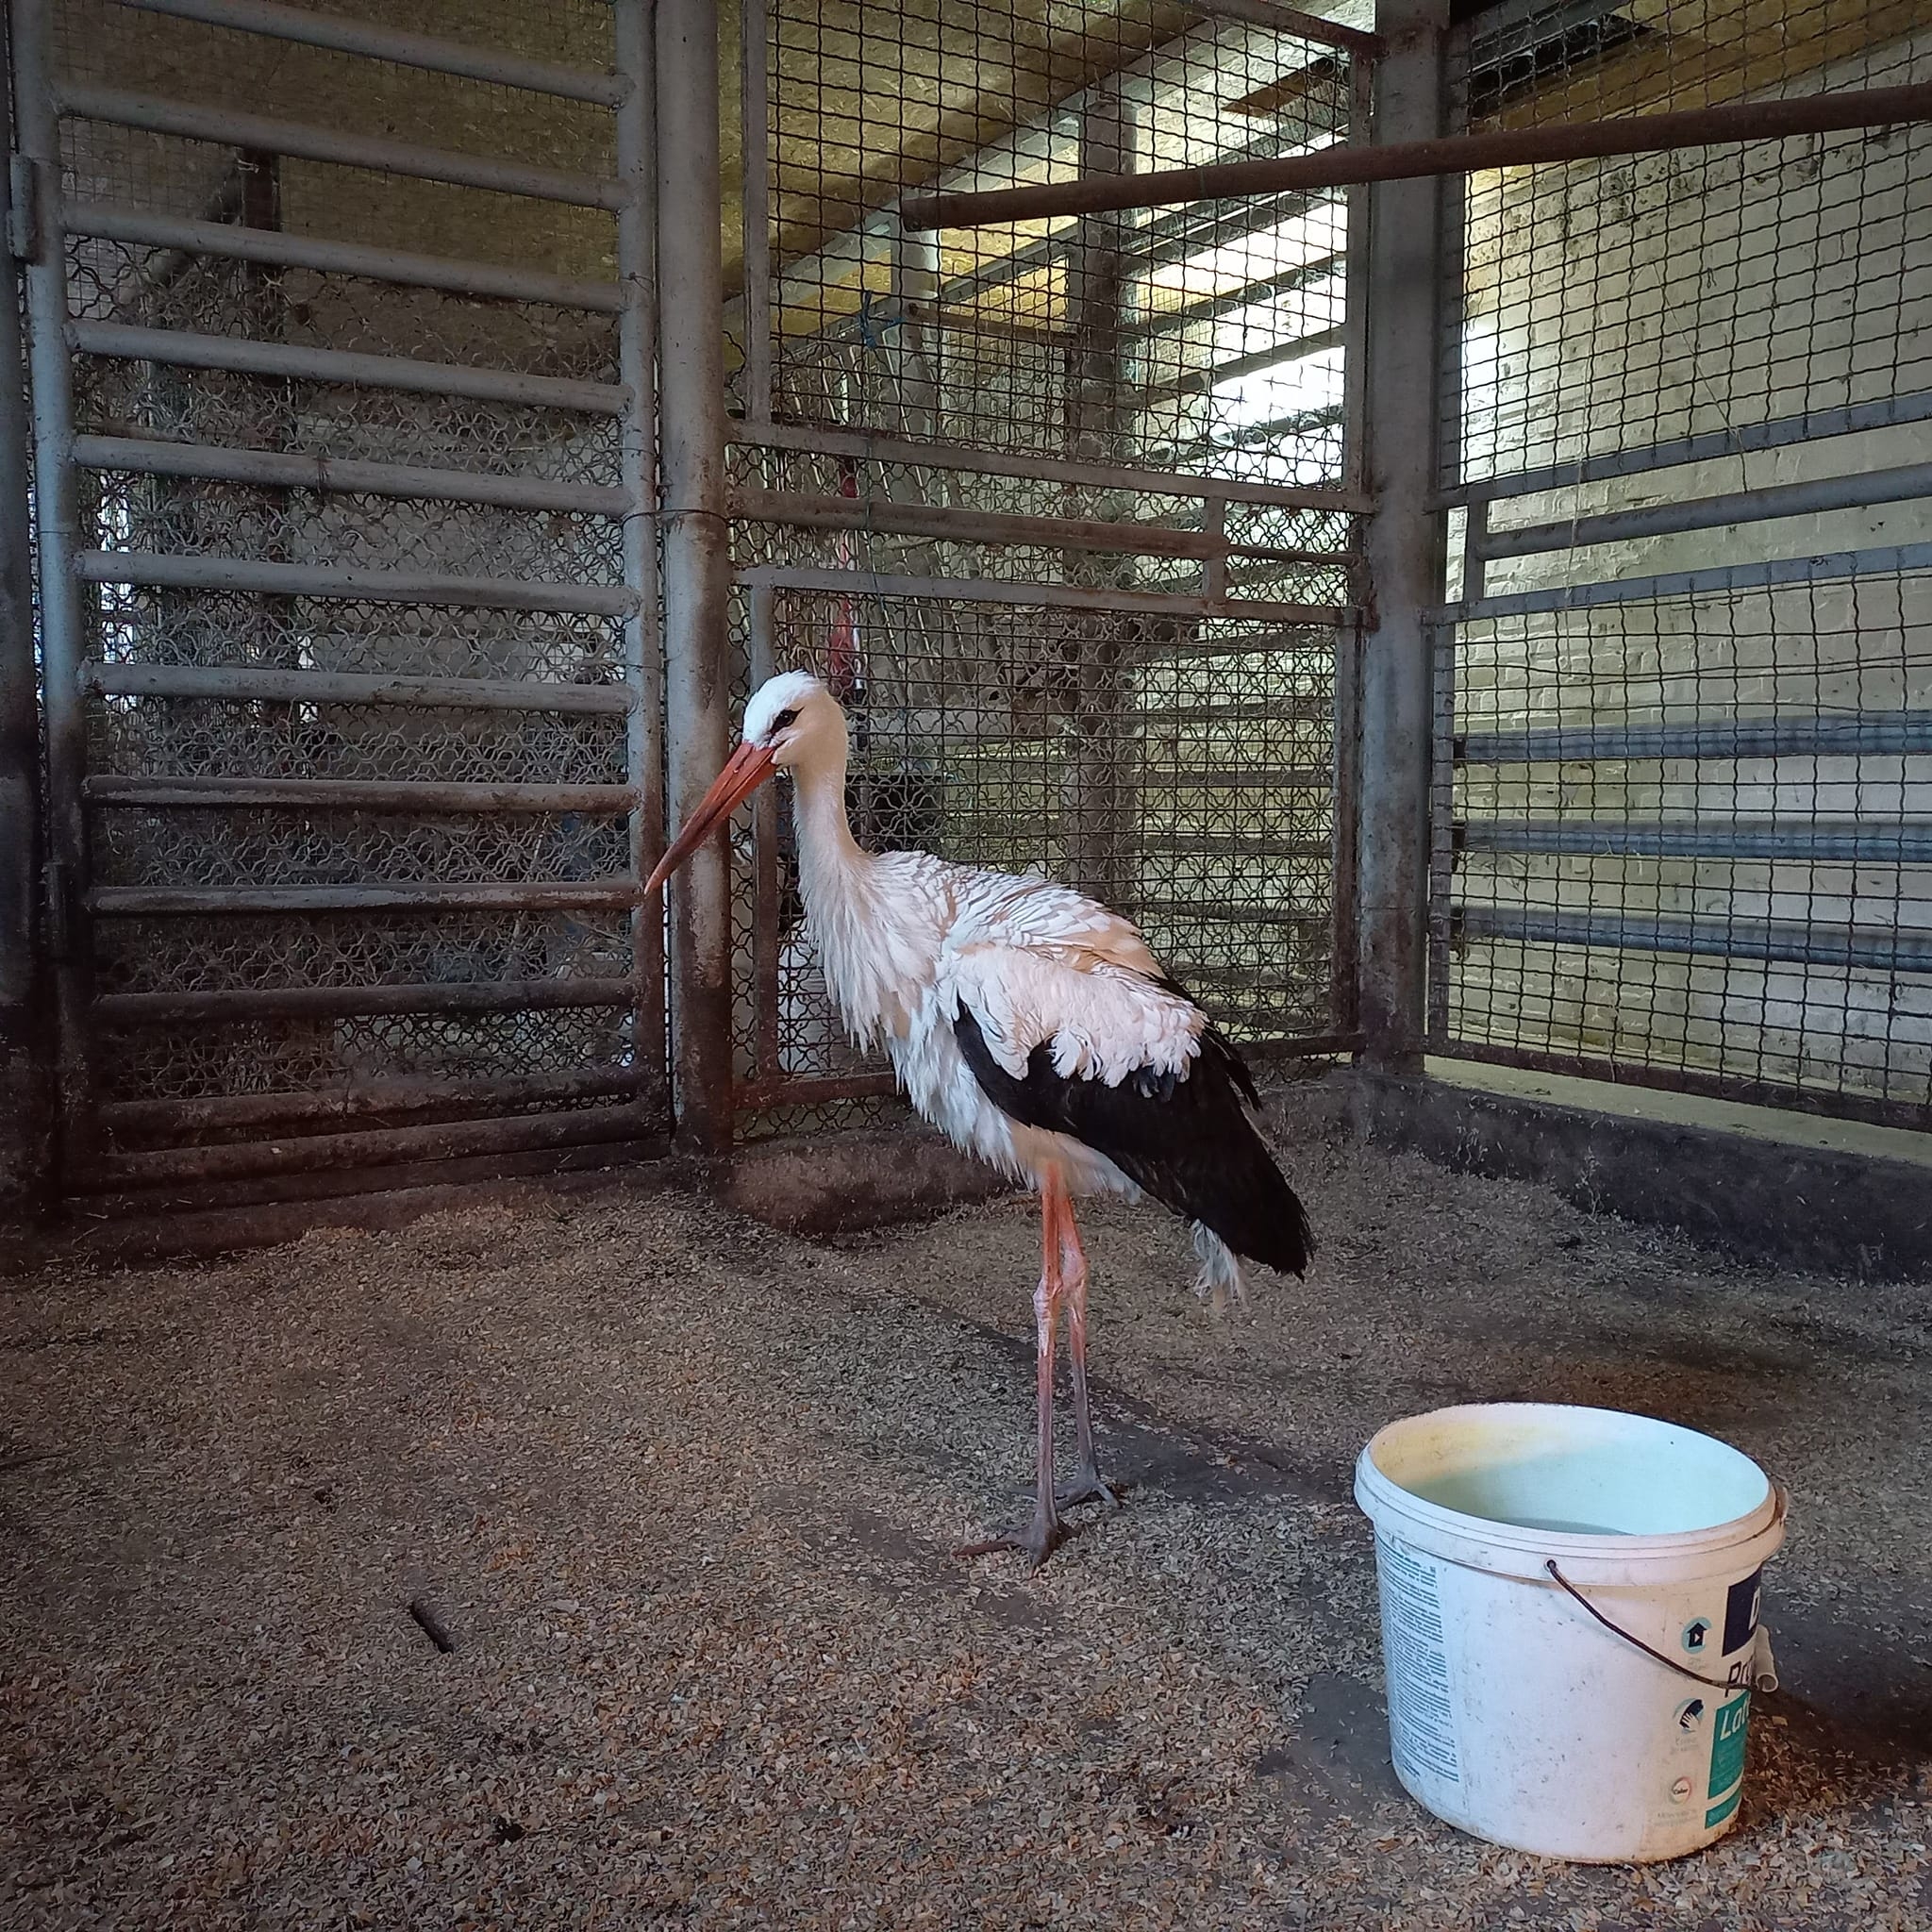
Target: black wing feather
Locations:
point(1185, 1139)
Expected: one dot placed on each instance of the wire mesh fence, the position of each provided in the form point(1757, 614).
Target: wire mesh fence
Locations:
point(1066, 512)
point(1685, 700)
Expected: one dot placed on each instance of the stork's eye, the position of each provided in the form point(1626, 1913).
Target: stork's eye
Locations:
point(783, 719)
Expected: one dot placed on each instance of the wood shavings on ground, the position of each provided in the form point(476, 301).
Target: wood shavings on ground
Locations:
point(681, 1492)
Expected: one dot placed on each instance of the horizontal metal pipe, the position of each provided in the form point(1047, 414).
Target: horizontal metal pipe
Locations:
point(1207, 911)
point(1190, 845)
point(1900, 484)
point(1904, 841)
point(1341, 167)
point(943, 455)
point(1318, 641)
point(1842, 734)
point(202, 572)
point(266, 134)
point(385, 1148)
point(804, 1090)
point(861, 583)
point(1882, 560)
point(287, 470)
point(1787, 942)
point(1291, 20)
point(1255, 363)
point(434, 55)
point(1813, 425)
point(178, 349)
point(238, 1006)
point(143, 227)
point(371, 1100)
point(242, 683)
point(1274, 778)
point(198, 793)
point(890, 518)
point(169, 902)
point(1293, 1046)
point(1833, 1103)
point(1156, 322)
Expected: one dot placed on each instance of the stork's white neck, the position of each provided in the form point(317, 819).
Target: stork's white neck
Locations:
point(831, 860)
point(850, 926)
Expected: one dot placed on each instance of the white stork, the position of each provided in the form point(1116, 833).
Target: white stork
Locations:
point(1033, 1028)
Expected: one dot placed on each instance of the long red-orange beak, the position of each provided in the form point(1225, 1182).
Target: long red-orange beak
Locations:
point(749, 767)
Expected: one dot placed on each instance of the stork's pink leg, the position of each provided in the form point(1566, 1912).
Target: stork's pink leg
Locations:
point(1044, 1533)
point(1087, 1484)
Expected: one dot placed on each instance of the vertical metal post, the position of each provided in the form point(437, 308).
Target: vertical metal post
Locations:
point(1403, 552)
point(637, 354)
point(697, 562)
point(23, 1060)
point(755, 138)
point(1095, 790)
point(62, 622)
point(768, 1044)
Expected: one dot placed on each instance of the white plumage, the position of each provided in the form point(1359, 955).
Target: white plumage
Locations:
point(1086, 1054)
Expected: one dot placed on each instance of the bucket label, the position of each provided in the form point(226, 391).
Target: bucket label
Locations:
point(1740, 1612)
point(1728, 1737)
point(1422, 1720)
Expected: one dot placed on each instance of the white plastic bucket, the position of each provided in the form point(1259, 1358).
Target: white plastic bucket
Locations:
point(1514, 1712)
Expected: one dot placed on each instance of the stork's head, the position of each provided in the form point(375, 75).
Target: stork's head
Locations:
point(791, 721)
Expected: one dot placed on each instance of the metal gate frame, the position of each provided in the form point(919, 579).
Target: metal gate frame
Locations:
point(766, 1085)
point(217, 1139)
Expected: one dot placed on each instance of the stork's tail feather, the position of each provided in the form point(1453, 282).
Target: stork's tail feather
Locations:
point(1219, 1281)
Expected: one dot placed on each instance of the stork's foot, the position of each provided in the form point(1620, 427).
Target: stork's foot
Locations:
point(1087, 1485)
point(1041, 1537)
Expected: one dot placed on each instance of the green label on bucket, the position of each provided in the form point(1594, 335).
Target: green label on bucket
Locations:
point(1718, 1813)
point(1727, 1744)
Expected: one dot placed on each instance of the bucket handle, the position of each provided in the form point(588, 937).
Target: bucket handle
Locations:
point(1669, 1663)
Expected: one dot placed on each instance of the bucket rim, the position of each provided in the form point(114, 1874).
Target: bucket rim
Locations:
point(1373, 1485)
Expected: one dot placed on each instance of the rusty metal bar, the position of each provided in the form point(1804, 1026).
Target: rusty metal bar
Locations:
point(25, 1008)
point(754, 134)
point(757, 1097)
point(199, 793)
point(1412, 160)
point(267, 134)
point(890, 518)
point(860, 583)
point(236, 1005)
point(763, 661)
point(986, 462)
point(145, 228)
point(1401, 547)
point(382, 1148)
point(641, 637)
point(1291, 20)
point(167, 902)
point(178, 349)
point(374, 1100)
point(697, 560)
point(291, 470)
point(458, 57)
point(236, 683)
point(203, 572)
point(63, 623)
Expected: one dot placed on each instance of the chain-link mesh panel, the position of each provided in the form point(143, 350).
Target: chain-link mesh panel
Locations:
point(1181, 769)
point(518, 302)
point(1208, 339)
point(1685, 758)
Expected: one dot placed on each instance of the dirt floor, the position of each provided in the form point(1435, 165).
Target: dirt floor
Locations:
point(683, 1490)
